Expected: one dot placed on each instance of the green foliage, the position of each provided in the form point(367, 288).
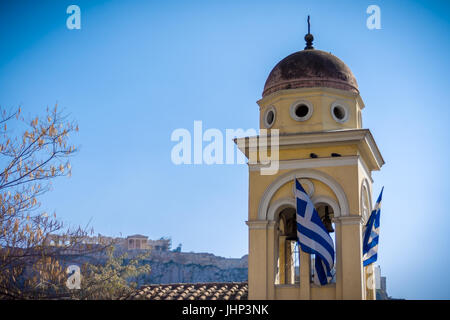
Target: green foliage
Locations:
point(115, 279)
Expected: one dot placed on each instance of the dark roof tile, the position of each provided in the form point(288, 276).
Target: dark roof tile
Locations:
point(193, 291)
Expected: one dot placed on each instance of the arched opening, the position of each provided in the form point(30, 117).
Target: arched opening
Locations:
point(341, 207)
point(365, 202)
point(287, 250)
point(283, 213)
point(287, 268)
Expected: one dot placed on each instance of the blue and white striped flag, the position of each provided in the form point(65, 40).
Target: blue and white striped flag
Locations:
point(371, 234)
point(312, 235)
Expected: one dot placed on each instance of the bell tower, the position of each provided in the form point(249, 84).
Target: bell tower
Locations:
point(312, 99)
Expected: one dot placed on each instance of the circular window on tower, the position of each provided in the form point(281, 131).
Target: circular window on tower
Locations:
point(339, 112)
point(269, 117)
point(301, 110)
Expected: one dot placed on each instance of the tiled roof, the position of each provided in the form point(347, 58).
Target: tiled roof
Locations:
point(193, 291)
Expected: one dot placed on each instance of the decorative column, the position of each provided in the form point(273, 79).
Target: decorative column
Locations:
point(351, 275)
point(257, 260)
point(305, 275)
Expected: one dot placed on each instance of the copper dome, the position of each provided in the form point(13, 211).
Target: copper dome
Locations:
point(310, 68)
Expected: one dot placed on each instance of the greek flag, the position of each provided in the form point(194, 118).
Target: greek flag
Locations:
point(312, 235)
point(371, 234)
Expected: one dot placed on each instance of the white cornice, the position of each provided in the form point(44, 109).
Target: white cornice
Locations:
point(318, 137)
point(317, 163)
point(310, 163)
point(361, 137)
point(373, 149)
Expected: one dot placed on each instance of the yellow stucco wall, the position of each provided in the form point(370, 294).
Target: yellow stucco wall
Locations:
point(321, 99)
point(263, 236)
point(263, 255)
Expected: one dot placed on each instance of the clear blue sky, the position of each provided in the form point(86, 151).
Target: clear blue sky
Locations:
point(137, 70)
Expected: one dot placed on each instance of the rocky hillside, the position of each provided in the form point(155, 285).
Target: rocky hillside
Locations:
point(186, 267)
